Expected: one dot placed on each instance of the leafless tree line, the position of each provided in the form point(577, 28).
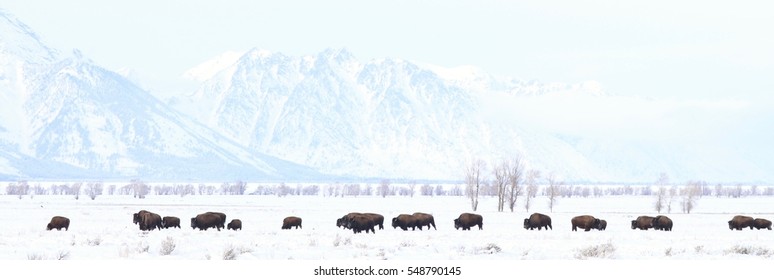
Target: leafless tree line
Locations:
point(509, 181)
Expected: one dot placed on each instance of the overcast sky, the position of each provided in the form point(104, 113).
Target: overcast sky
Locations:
point(674, 49)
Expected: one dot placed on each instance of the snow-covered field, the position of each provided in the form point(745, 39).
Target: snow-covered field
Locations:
point(102, 229)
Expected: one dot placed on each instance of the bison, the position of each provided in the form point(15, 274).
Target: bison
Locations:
point(739, 222)
point(235, 224)
point(206, 220)
point(169, 221)
point(361, 223)
point(424, 219)
point(377, 219)
point(291, 222)
point(222, 219)
point(405, 221)
point(643, 222)
point(150, 221)
point(586, 222)
point(762, 223)
point(344, 221)
point(602, 225)
point(137, 217)
point(468, 220)
point(539, 221)
point(662, 223)
point(58, 222)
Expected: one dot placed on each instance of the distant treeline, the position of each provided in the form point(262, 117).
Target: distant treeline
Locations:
point(140, 189)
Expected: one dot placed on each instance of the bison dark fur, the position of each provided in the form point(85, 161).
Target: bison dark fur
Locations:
point(586, 222)
point(643, 222)
point(662, 223)
point(169, 221)
point(291, 222)
point(602, 225)
point(235, 224)
point(377, 219)
point(150, 221)
point(468, 220)
point(58, 223)
point(205, 221)
point(538, 221)
point(739, 222)
point(137, 217)
point(222, 219)
point(404, 221)
point(344, 221)
point(424, 219)
point(760, 223)
point(361, 223)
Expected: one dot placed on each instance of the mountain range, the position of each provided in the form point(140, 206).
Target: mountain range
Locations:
point(262, 115)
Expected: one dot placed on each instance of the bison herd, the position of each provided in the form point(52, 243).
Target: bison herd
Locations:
point(365, 222)
point(647, 222)
point(739, 222)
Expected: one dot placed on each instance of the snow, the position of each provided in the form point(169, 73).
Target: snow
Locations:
point(703, 234)
point(101, 231)
point(209, 68)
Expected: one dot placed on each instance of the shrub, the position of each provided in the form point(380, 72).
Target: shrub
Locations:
point(596, 251)
point(489, 249)
point(749, 250)
point(167, 246)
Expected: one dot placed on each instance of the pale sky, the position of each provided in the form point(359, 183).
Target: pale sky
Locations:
point(672, 49)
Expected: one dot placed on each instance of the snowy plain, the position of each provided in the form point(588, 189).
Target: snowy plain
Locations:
point(102, 230)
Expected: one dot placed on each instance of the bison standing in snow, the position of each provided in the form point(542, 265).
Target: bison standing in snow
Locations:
point(58, 223)
point(468, 220)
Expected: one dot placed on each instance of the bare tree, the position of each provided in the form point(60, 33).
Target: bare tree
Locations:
point(474, 181)
point(671, 197)
point(500, 183)
point(75, 189)
point(691, 194)
point(439, 191)
point(93, 189)
point(661, 195)
point(140, 188)
point(426, 190)
point(554, 190)
point(516, 180)
point(532, 187)
point(384, 188)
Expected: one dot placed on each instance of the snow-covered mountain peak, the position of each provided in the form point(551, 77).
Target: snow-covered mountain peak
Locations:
point(209, 68)
point(18, 40)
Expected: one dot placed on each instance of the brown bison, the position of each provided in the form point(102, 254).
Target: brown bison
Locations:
point(58, 222)
point(662, 223)
point(344, 221)
point(586, 222)
point(405, 221)
point(424, 219)
point(206, 220)
point(602, 225)
point(137, 217)
point(361, 223)
point(643, 222)
point(762, 223)
point(235, 224)
point(150, 221)
point(291, 222)
point(169, 221)
point(378, 219)
point(222, 219)
point(539, 221)
point(468, 220)
point(739, 222)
